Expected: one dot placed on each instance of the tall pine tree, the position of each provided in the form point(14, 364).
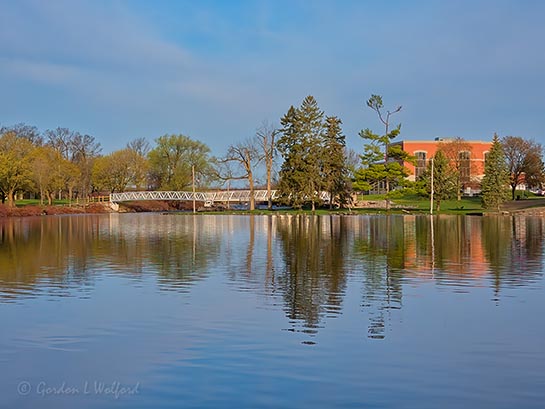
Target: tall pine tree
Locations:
point(494, 186)
point(382, 162)
point(334, 163)
point(300, 146)
point(314, 156)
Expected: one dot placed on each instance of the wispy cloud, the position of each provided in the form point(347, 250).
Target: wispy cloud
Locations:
point(85, 33)
point(41, 71)
point(216, 69)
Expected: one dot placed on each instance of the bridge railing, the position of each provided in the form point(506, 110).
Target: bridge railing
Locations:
point(217, 196)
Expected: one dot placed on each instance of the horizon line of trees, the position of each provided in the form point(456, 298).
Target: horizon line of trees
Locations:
point(62, 163)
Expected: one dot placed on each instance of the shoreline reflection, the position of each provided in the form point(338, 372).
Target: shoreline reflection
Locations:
point(304, 262)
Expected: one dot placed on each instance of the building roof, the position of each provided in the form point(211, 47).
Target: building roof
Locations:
point(436, 140)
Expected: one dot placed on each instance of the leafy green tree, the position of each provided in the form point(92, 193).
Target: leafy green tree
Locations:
point(444, 179)
point(171, 162)
point(301, 147)
point(79, 151)
point(116, 171)
point(334, 162)
point(72, 177)
point(496, 177)
point(50, 172)
point(42, 166)
point(458, 153)
point(15, 165)
point(524, 162)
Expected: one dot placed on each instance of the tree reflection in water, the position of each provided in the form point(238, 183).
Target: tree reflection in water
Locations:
point(306, 262)
point(383, 252)
point(55, 253)
point(313, 276)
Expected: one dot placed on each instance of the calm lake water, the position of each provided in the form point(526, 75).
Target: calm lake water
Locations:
point(170, 311)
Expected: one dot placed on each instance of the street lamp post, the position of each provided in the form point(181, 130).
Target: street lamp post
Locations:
point(193, 174)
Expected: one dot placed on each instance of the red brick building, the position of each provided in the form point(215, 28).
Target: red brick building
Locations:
point(471, 158)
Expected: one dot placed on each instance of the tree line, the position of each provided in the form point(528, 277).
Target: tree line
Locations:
point(62, 163)
point(310, 146)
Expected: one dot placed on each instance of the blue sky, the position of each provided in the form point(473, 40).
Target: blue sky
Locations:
point(214, 70)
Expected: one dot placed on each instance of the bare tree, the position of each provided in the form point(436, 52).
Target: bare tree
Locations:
point(61, 139)
point(139, 145)
point(84, 149)
point(247, 156)
point(265, 137)
point(523, 157)
point(22, 130)
point(80, 150)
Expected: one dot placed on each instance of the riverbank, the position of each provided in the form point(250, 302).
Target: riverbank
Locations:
point(36, 210)
point(28, 210)
point(467, 206)
point(534, 206)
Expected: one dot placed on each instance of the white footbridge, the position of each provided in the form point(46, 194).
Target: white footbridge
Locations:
point(209, 198)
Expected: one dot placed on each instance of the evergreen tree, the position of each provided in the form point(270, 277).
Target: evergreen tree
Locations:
point(301, 147)
point(381, 161)
point(375, 171)
point(334, 164)
point(496, 177)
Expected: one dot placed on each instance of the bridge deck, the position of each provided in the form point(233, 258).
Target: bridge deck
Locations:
point(218, 196)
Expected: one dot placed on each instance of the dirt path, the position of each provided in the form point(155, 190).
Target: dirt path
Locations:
point(525, 205)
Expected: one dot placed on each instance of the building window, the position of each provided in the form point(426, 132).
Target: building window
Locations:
point(464, 158)
point(420, 167)
point(485, 156)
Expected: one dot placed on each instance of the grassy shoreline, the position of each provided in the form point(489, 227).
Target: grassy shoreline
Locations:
point(408, 204)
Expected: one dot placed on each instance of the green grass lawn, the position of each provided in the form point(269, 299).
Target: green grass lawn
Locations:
point(36, 202)
point(402, 204)
point(463, 206)
point(415, 203)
